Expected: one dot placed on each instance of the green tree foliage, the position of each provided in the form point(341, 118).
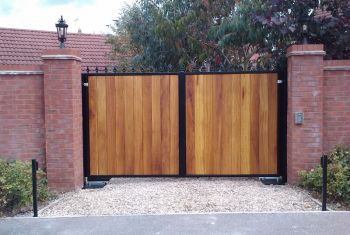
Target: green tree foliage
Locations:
point(238, 36)
point(327, 21)
point(171, 32)
point(226, 33)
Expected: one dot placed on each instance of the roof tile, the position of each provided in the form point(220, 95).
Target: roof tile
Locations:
point(20, 46)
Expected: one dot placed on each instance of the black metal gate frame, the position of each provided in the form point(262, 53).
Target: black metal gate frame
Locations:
point(281, 124)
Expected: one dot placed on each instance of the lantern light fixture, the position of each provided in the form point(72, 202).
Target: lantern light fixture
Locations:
point(61, 27)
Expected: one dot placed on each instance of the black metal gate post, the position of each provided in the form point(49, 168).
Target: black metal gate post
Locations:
point(34, 184)
point(282, 100)
point(324, 160)
point(85, 111)
point(182, 124)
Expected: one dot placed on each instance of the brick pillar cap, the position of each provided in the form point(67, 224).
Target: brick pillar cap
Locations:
point(62, 54)
point(309, 49)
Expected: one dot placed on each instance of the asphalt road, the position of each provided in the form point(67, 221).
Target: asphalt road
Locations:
point(226, 223)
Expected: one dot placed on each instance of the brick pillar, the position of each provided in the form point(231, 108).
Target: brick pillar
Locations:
point(305, 94)
point(63, 119)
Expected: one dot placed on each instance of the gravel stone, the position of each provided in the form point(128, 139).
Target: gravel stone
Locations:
point(125, 196)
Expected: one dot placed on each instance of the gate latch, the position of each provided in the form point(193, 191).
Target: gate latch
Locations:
point(85, 84)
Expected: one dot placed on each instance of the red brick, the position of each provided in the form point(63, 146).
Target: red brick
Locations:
point(305, 92)
point(336, 106)
point(22, 116)
point(63, 152)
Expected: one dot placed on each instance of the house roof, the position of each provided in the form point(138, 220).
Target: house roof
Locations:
point(24, 47)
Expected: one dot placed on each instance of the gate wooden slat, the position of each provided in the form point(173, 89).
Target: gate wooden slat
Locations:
point(263, 124)
point(272, 123)
point(147, 124)
point(129, 126)
point(156, 126)
point(226, 147)
point(207, 106)
point(199, 123)
point(236, 123)
point(93, 127)
point(138, 138)
point(254, 125)
point(120, 125)
point(245, 124)
point(101, 126)
point(217, 120)
point(111, 125)
point(190, 124)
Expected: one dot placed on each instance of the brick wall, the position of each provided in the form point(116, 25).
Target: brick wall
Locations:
point(305, 92)
point(22, 133)
point(336, 104)
point(63, 119)
point(41, 116)
point(40, 112)
point(319, 89)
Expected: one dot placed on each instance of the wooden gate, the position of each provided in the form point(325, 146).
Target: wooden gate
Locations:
point(133, 125)
point(154, 124)
point(231, 124)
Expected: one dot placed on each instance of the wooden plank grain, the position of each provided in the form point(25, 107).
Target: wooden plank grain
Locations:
point(110, 124)
point(263, 124)
point(156, 126)
point(216, 124)
point(254, 123)
point(93, 154)
point(245, 124)
point(272, 123)
point(190, 124)
point(226, 133)
point(129, 125)
point(236, 124)
point(147, 124)
point(165, 123)
point(209, 126)
point(200, 126)
point(101, 126)
point(138, 137)
point(120, 125)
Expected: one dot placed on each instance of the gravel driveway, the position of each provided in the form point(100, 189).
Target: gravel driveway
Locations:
point(180, 195)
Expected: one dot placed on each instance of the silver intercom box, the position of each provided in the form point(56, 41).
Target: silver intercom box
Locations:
point(298, 118)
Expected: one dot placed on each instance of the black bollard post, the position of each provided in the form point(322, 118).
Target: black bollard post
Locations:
point(34, 183)
point(324, 159)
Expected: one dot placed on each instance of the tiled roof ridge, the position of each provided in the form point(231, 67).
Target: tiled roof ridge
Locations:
point(47, 31)
point(25, 46)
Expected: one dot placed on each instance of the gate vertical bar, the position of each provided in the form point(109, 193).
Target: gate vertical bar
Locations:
point(34, 185)
point(182, 124)
point(324, 162)
point(86, 140)
point(282, 121)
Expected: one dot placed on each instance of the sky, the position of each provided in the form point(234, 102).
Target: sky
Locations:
point(91, 16)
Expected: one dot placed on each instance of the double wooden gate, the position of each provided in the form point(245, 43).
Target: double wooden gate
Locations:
point(181, 124)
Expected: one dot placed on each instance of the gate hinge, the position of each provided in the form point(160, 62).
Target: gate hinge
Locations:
point(85, 84)
point(279, 81)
